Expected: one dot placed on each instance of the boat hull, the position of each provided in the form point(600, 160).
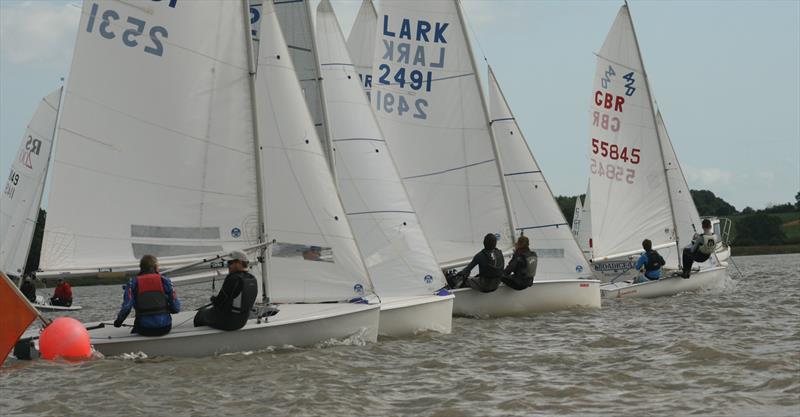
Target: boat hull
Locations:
point(41, 304)
point(408, 316)
point(294, 325)
point(541, 297)
point(707, 278)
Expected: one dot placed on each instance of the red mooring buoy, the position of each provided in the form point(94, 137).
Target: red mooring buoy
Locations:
point(65, 338)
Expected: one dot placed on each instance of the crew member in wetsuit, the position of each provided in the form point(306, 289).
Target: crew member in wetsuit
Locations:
point(649, 263)
point(28, 289)
point(62, 296)
point(490, 268)
point(701, 248)
point(522, 267)
point(154, 299)
point(230, 309)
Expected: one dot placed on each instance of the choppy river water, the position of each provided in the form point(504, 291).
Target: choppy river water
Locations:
point(732, 351)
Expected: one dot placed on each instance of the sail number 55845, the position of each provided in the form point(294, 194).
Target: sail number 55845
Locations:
point(613, 151)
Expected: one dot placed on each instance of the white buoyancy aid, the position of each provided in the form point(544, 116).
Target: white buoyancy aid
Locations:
point(707, 243)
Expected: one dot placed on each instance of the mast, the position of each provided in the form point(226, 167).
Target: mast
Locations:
point(658, 137)
point(257, 148)
point(495, 150)
point(326, 125)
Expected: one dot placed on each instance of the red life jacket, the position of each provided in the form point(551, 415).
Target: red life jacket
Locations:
point(150, 295)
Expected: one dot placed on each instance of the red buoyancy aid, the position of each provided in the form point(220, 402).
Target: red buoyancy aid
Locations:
point(150, 296)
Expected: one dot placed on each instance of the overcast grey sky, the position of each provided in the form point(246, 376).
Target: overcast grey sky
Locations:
point(726, 75)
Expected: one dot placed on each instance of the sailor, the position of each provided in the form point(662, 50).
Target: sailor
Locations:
point(649, 263)
point(153, 297)
point(522, 267)
point(490, 268)
point(28, 289)
point(230, 309)
point(701, 248)
point(62, 296)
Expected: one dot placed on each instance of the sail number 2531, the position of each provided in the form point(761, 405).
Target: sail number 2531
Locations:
point(110, 25)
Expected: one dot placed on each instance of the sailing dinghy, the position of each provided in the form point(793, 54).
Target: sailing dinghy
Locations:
point(400, 262)
point(427, 97)
point(637, 187)
point(170, 146)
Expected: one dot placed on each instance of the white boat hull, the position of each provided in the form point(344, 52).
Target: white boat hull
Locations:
point(42, 304)
point(408, 316)
point(294, 325)
point(707, 278)
point(541, 297)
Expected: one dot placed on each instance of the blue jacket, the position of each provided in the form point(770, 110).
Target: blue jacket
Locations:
point(155, 321)
point(653, 275)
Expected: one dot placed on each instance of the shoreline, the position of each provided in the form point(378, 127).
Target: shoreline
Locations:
point(765, 250)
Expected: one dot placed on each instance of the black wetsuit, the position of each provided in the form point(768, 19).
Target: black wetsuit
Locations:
point(230, 309)
point(520, 270)
point(28, 290)
point(490, 270)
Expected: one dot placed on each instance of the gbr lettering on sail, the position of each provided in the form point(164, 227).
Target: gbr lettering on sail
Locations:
point(412, 51)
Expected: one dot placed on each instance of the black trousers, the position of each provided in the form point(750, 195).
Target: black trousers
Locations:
point(212, 317)
point(146, 331)
point(690, 257)
point(60, 302)
point(518, 282)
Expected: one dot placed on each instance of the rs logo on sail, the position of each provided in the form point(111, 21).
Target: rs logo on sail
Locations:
point(32, 147)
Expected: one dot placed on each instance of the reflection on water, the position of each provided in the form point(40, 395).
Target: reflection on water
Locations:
point(731, 351)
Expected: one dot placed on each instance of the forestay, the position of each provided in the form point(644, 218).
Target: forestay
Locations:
point(22, 194)
point(155, 150)
point(536, 212)
point(294, 17)
point(627, 182)
point(396, 252)
point(361, 43)
point(427, 98)
point(687, 218)
point(315, 257)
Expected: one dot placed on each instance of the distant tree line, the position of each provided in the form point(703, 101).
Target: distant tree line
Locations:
point(750, 227)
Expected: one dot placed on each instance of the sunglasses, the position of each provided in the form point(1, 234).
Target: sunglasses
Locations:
point(229, 263)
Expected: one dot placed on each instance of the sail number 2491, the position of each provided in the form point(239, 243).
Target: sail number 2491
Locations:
point(388, 102)
point(109, 25)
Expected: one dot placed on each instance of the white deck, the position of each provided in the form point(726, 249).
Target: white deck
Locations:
point(294, 325)
point(408, 316)
point(707, 278)
point(542, 296)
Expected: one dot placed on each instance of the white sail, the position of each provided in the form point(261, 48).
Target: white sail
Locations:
point(315, 257)
point(426, 95)
point(687, 218)
point(155, 150)
point(585, 232)
point(627, 182)
point(536, 213)
point(396, 252)
point(22, 194)
point(576, 217)
point(294, 17)
point(361, 43)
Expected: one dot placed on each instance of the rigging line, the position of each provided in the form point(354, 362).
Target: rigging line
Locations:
point(543, 226)
point(299, 48)
point(357, 139)
point(617, 63)
point(475, 36)
point(449, 170)
point(522, 173)
point(381, 212)
point(505, 119)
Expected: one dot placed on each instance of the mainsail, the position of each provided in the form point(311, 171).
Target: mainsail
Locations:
point(315, 257)
point(427, 97)
point(155, 150)
point(294, 17)
point(630, 198)
point(585, 233)
point(22, 194)
point(536, 212)
point(361, 43)
point(389, 235)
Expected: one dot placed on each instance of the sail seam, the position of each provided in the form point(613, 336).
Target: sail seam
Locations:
point(381, 211)
point(358, 139)
point(501, 120)
point(522, 173)
point(449, 170)
point(337, 63)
